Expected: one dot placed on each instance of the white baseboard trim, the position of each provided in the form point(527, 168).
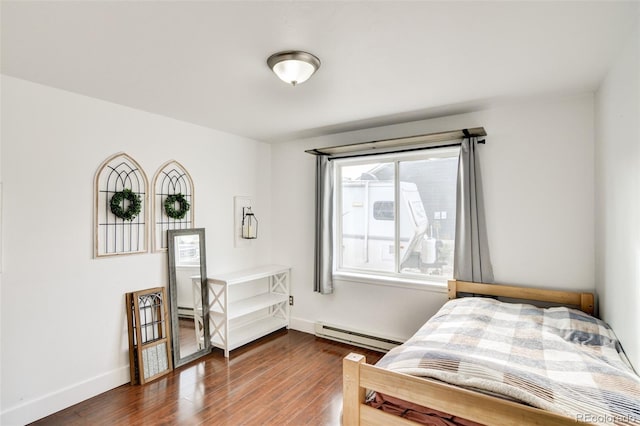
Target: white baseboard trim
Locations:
point(303, 325)
point(53, 402)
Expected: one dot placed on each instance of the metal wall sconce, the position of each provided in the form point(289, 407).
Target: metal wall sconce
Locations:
point(249, 224)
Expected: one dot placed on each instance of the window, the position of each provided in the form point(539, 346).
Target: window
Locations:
point(384, 210)
point(395, 214)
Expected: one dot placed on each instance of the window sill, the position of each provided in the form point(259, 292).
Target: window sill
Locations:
point(432, 286)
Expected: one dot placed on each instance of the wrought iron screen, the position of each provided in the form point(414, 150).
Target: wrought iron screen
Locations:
point(171, 179)
point(113, 234)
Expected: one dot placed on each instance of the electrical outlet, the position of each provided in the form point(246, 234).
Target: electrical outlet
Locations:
point(290, 300)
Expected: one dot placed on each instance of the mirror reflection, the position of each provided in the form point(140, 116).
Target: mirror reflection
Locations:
point(186, 284)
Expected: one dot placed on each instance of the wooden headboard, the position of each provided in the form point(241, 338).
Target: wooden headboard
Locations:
point(582, 300)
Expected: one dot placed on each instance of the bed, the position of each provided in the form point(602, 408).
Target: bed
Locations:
point(464, 391)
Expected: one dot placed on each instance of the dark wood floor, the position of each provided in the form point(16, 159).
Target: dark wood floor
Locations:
point(287, 378)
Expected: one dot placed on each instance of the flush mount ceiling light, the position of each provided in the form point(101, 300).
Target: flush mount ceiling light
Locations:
point(293, 66)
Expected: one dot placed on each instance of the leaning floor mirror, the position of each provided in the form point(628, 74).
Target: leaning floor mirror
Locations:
point(188, 295)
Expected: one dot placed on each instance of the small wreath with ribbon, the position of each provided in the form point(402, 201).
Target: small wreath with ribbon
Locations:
point(117, 208)
point(169, 206)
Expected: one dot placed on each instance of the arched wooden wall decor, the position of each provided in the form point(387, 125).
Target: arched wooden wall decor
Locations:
point(174, 182)
point(120, 207)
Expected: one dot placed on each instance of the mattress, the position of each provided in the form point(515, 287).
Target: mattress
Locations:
point(557, 359)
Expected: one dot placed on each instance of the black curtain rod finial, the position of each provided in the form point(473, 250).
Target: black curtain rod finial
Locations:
point(466, 134)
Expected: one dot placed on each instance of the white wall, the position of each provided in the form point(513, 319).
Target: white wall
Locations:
point(618, 197)
point(64, 333)
point(539, 188)
point(538, 176)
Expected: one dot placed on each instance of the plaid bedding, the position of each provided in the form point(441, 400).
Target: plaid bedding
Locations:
point(557, 359)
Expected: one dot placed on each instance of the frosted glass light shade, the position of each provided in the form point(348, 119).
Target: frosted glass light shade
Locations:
point(293, 67)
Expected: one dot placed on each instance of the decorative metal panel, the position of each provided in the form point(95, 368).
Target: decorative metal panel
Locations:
point(171, 180)
point(120, 182)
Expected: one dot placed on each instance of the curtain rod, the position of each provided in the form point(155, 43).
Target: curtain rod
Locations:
point(410, 143)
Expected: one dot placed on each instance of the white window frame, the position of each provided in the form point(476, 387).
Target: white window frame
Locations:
point(396, 279)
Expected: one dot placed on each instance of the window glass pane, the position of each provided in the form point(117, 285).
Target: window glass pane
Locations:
point(367, 217)
point(427, 214)
point(384, 210)
point(372, 219)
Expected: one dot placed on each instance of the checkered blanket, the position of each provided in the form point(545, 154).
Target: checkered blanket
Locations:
point(557, 359)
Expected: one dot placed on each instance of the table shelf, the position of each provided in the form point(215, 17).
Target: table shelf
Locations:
point(255, 303)
point(273, 299)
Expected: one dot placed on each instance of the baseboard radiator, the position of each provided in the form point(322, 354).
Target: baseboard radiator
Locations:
point(353, 337)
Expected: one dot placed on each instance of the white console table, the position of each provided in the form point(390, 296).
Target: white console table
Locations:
point(235, 321)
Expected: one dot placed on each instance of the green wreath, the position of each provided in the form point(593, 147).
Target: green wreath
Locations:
point(135, 205)
point(169, 206)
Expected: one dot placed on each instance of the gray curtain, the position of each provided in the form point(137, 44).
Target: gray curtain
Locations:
point(323, 280)
point(471, 258)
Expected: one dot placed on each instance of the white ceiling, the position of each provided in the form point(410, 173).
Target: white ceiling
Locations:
point(383, 62)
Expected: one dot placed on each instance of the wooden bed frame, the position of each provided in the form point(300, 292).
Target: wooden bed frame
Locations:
point(358, 376)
